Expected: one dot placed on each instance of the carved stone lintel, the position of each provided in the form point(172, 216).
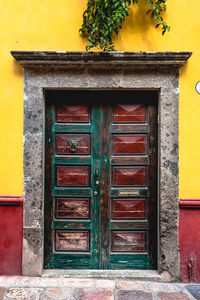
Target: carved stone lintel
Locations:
point(91, 59)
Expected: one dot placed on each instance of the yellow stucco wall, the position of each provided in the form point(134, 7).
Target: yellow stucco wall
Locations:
point(53, 25)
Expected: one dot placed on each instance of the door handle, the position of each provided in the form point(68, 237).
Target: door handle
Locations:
point(73, 145)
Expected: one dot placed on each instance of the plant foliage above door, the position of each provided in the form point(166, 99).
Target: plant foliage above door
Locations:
point(103, 18)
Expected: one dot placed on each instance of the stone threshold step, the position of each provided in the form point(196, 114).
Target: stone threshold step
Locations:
point(143, 275)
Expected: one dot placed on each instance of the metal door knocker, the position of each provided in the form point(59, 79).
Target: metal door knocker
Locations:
point(73, 145)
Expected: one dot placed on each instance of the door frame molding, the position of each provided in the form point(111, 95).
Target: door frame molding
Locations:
point(117, 70)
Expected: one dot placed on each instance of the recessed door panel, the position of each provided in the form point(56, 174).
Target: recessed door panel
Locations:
point(128, 208)
point(129, 113)
point(129, 144)
point(128, 241)
point(72, 208)
point(129, 176)
point(73, 144)
point(71, 241)
point(73, 176)
point(72, 113)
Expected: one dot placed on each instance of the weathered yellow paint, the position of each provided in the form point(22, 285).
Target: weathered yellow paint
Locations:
point(54, 25)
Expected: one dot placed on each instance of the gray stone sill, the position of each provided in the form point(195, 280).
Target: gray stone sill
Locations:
point(143, 275)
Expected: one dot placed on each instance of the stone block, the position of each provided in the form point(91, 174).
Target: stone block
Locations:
point(95, 294)
point(127, 285)
point(23, 294)
point(105, 284)
point(134, 295)
point(173, 296)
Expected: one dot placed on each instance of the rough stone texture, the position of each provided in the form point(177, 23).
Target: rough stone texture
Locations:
point(169, 172)
point(23, 294)
point(134, 295)
point(175, 296)
point(165, 81)
point(95, 294)
point(34, 238)
point(40, 288)
point(32, 256)
point(1, 292)
point(58, 293)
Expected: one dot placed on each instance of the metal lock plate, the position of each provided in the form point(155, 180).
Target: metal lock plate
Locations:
point(129, 193)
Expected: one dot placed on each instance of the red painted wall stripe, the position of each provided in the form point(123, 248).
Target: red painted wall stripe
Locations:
point(11, 200)
point(187, 203)
point(189, 239)
point(11, 232)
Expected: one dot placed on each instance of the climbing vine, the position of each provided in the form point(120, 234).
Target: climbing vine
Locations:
point(104, 18)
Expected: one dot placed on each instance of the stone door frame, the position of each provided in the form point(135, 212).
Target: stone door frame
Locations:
point(115, 70)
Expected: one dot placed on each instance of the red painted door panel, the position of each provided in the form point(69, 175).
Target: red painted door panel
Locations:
point(72, 113)
point(82, 144)
point(72, 241)
point(72, 208)
point(129, 113)
point(128, 208)
point(129, 176)
point(128, 241)
point(129, 144)
point(73, 176)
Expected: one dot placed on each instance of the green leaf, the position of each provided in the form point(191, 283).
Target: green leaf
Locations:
point(104, 18)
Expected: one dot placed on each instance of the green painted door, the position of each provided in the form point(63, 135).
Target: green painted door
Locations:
point(100, 180)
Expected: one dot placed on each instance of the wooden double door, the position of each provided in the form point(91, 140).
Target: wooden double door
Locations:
point(100, 180)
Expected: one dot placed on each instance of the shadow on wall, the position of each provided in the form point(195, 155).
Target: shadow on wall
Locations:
point(17, 69)
point(138, 23)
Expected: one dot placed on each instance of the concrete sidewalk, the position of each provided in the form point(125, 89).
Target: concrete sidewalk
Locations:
point(60, 288)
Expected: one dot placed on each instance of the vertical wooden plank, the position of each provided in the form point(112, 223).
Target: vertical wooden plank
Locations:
point(152, 205)
point(96, 167)
point(49, 179)
point(106, 120)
